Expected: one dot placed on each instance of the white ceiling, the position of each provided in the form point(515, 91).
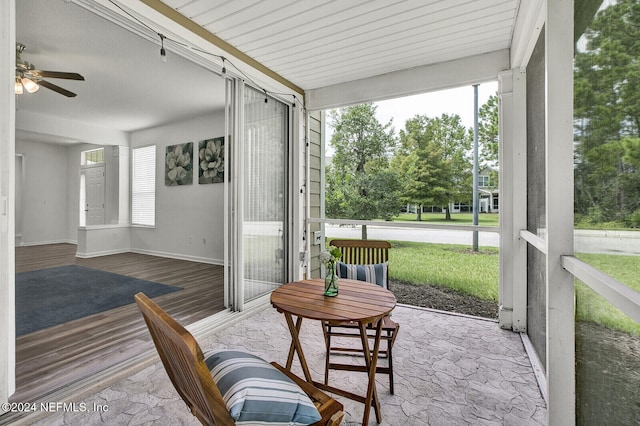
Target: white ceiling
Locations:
point(312, 43)
point(126, 85)
point(316, 43)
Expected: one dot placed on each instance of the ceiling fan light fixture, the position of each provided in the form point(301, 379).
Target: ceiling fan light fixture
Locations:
point(18, 87)
point(30, 79)
point(29, 85)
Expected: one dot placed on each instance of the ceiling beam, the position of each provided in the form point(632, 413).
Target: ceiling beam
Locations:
point(200, 31)
point(62, 130)
point(428, 78)
point(529, 23)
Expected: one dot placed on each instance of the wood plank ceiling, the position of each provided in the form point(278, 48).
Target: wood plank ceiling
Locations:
point(324, 42)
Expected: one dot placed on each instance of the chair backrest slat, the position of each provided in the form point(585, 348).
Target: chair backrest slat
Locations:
point(363, 252)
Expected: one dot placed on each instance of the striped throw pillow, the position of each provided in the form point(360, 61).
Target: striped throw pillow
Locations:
point(256, 392)
point(372, 273)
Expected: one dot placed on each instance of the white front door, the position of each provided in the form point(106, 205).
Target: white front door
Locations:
point(95, 194)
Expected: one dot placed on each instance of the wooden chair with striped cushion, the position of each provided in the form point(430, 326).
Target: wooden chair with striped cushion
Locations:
point(225, 387)
point(364, 260)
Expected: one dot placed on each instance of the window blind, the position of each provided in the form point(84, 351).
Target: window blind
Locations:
point(143, 187)
point(265, 201)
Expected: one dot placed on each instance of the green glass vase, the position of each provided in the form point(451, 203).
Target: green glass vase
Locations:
point(331, 283)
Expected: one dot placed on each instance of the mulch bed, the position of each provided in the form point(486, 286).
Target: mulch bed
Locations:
point(444, 299)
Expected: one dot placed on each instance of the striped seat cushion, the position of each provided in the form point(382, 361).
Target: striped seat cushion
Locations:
point(372, 273)
point(256, 392)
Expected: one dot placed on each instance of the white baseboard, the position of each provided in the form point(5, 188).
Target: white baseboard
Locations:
point(179, 256)
point(101, 253)
point(44, 243)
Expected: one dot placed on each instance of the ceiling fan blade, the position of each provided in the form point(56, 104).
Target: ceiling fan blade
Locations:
point(56, 74)
point(55, 88)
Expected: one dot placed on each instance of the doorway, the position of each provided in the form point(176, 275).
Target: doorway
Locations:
point(92, 194)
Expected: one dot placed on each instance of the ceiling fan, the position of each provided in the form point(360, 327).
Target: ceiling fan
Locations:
point(30, 79)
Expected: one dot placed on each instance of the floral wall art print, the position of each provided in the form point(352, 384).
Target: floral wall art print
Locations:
point(211, 156)
point(178, 167)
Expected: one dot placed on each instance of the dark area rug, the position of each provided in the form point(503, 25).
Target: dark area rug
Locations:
point(53, 296)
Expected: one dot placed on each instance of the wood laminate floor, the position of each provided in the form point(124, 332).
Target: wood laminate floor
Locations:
point(49, 359)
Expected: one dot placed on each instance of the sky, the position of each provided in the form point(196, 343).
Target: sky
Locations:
point(453, 101)
point(434, 104)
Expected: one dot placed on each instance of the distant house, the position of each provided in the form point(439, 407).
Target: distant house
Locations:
point(487, 192)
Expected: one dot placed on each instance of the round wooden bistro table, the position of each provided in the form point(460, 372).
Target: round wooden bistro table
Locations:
point(360, 302)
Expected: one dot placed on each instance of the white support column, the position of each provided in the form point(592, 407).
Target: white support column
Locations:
point(513, 199)
point(7, 201)
point(559, 211)
point(299, 165)
point(323, 154)
point(124, 185)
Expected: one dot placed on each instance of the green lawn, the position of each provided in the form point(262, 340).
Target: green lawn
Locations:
point(484, 219)
point(476, 274)
point(492, 219)
point(592, 307)
point(451, 266)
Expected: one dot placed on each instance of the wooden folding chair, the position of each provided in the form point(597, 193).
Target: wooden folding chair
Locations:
point(361, 252)
point(184, 362)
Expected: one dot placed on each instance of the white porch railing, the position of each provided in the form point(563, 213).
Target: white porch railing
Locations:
point(619, 295)
point(408, 225)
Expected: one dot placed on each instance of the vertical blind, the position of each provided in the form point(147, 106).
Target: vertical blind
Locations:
point(143, 187)
point(265, 200)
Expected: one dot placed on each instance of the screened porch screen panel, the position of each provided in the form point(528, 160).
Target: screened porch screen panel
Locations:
point(536, 203)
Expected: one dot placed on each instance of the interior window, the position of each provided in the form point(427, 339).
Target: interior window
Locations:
point(143, 186)
point(95, 156)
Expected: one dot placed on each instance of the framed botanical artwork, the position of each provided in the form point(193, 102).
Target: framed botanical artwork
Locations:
point(211, 157)
point(178, 167)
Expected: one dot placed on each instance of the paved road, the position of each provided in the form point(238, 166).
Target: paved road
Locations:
point(487, 239)
point(608, 242)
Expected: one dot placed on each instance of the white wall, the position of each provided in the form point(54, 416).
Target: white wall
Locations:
point(51, 191)
point(189, 218)
point(19, 191)
point(44, 198)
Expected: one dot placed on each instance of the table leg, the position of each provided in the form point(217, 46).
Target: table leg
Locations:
point(371, 361)
point(297, 346)
point(292, 348)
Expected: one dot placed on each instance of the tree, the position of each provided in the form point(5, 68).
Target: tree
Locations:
point(607, 114)
point(359, 183)
point(488, 131)
point(434, 158)
point(488, 138)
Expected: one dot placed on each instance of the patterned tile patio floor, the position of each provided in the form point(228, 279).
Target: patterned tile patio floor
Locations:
point(450, 370)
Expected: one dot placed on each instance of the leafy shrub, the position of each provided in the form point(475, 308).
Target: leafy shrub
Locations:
point(633, 220)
